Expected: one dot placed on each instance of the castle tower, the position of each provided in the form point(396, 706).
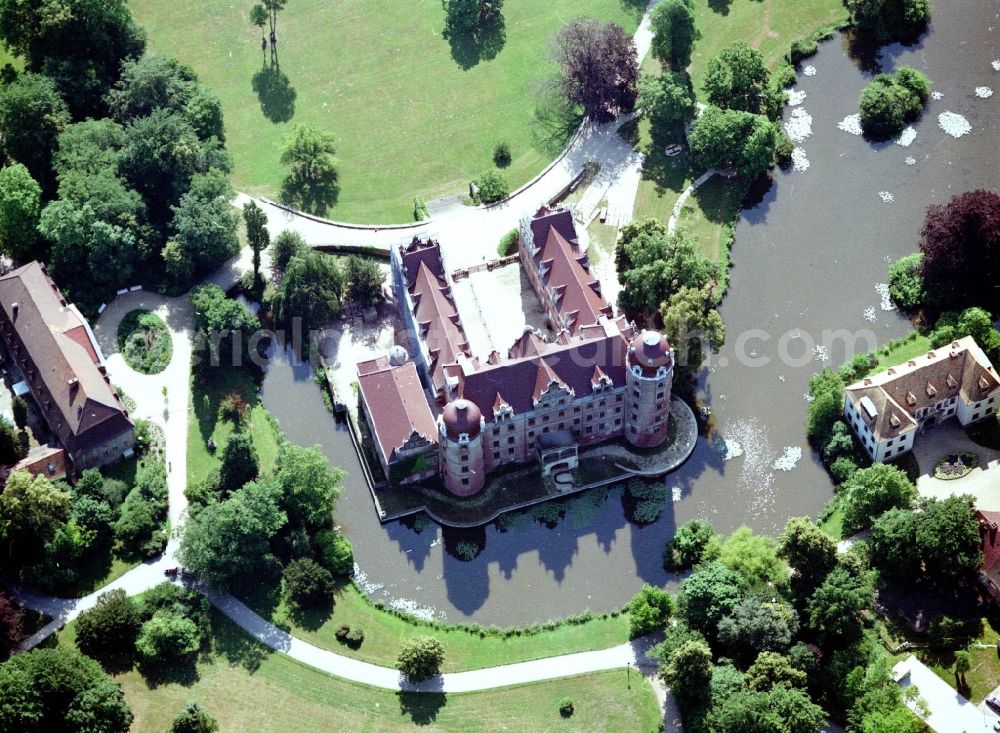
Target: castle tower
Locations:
point(463, 463)
point(649, 376)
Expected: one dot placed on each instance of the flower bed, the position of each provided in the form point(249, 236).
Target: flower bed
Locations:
point(955, 465)
point(144, 341)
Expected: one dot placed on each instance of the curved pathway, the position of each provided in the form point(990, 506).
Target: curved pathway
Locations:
point(592, 143)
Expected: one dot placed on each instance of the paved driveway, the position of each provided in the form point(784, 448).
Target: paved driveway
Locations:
point(982, 482)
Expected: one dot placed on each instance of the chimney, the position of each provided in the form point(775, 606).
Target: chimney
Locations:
point(13, 308)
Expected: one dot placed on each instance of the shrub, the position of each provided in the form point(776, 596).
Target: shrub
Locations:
point(783, 149)
point(843, 468)
point(355, 637)
point(286, 245)
point(167, 637)
point(687, 546)
point(307, 583)
point(649, 610)
point(801, 49)
point(420, 658)
point(492, 187)
point(783, 77)
point(906, 285)
point(19, 408)
point(419, 209)
point(890, 101)
point(467, 550)
point(335, 553)
point(508, 243)
point(144, 341)
point(566, 707)
point(194, 719)
point(233, 407)
point(341, 633)
point(501, 154)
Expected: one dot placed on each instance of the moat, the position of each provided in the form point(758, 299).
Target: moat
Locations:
point(806, 262)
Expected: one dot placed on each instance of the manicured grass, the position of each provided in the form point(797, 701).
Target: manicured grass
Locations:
point(982, 677)
point(385, 632)
point(246, 687)
point(408, 119)
point(144, 341)
point(769, 26)
point(205, 422)
point(710, 212)
point(902, 351)
point(833, 525)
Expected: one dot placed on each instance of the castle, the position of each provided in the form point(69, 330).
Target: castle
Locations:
point(447, 413)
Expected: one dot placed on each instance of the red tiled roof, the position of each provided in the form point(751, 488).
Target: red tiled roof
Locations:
point(396, 404)
point(49, 341)
point(520, 382)
point(434, 309)
point(565, 271)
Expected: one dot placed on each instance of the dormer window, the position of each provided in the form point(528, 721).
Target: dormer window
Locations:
point(931, 390)
point(894, 421)
point(950, 381)
point(911, 399)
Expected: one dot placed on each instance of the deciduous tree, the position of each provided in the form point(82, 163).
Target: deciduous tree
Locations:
point(722, 138)
point(420, 658)
point(32, 115)
point(649, 610)
point(108, 630)
point(737, 79)
point(599, 69)
point(872, 491)
point(20, 208)
point(674, 32)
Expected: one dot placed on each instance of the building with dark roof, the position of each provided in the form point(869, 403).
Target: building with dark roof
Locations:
point(598, 379)
point(889, 409)
point(989, 569)
point(52, 346)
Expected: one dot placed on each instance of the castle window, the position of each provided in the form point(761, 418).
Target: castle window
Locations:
point(496, 455)
point(465, 482)
point(618, 421)
point(510, 440)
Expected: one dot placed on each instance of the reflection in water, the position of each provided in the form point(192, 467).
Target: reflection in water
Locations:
point(807, 259)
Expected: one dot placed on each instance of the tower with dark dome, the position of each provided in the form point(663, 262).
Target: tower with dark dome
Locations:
point(463, 463)
point(649, 377)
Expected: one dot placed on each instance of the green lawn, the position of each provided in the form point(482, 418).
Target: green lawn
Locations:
point(408, 119)
point(903, 350)
point(833, 525)
point(984, 674)
point(247, 687)
point(204, 423)
point(385, 632)
point(770, 26)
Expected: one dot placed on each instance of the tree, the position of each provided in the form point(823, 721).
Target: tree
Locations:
point(693, 325)
point(257, 235)
point(889, 20)
point(653, 265)
point(335, 553)
point(974, 322)
point(273, 6)
point(962, 666)
point(240, 463)
point(11, 625)
point(893, 544)
point(153, 82)
point(60, 689)
point(492, 187)
point(204, 224)
point(364, 281)
point(779, 709)
point(309, 486)
point(674, 33)
point(20, 208)
point(310, 290)
point(898, 719)
point(109, 629)
point(722, 138)
point(906, 286)
point(10, 446)
point(754, 558)
point(960, 242)
point(194, 718)
point(872, 491)
point(228, 541)
point(420, 658)
point(649, 610)
point(32, 115)
point(810, 552)
point(307, 583)
point(947, 534)
point(79, 43)
point(224, 325)
point(835, 608)
point(759, 623)
point(599, 70)
point(687, 545)
point(737, 79)
point(668, 101)
point(773, 670)
point(311, 183)
point(688, 674)
point(19, 408)
point(708, 595)
point(466, 16)
point(31, 510)
point(287, 245)
point(166, 638)
point(890, 101)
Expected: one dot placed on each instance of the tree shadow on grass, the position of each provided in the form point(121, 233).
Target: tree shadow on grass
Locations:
point(235, 645)
point(422, 707)
point(312, 618)
point(468, 49)
point(182, 672)
point(274, 91)
point(211, 385)
point(311, 195)
point(554, 122)
point(720, 6)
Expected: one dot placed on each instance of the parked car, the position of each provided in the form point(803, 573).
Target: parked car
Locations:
point(994, 702)
point(171, 572)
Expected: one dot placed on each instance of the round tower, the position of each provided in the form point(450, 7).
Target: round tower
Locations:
point(463, 463)
point(649, 377)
